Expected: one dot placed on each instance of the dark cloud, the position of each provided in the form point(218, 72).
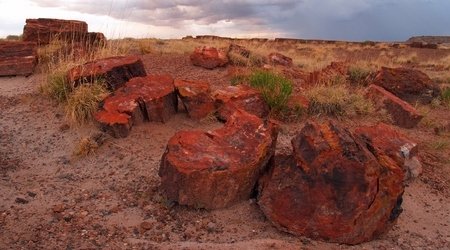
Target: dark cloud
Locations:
point(319, 19)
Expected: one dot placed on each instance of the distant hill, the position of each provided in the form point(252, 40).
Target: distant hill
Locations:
point(430, 39)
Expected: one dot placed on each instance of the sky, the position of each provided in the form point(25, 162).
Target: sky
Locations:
point(350, 20)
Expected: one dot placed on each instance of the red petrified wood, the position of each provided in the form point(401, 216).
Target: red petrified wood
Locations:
point(209, 57)
point(332, 188)
point(17, 58)
point(196, 97)
point(150, 98)
point(391, 147)
point(401, 112)
point(116, 71)
point(232, 98)
point(219, 168)
point(44, 30)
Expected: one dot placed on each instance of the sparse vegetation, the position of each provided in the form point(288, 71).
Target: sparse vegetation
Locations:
point(276, 90)
point(446, 97)
point(358, 75)
point(337, 101)
point(89, 144)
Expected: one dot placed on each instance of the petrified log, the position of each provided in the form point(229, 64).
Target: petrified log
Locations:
point(150, 98)
point(332, 188)
point(408, 84)
point(116, 71)
point(17, 58)
point(44, 30)
point(219, 168)
point(391, 147)
point(401, 112)
point(196, 98)
point(231, 98)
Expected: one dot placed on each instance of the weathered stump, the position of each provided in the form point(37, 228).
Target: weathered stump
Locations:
point(219, 168)
point(332, 188)
point(209, 57)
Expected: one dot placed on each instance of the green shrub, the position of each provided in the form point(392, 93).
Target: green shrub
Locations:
point(358, 75)
point(276, 89)
point(56, 86)
point(446, 97)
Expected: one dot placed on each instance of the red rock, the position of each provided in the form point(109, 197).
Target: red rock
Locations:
point(408, 84)
point(150, 98)
point(336, 71)
point(219, 168)
point(332, 188)
point(209, 57)
point(391, 147)
point(157, 93)
point(44, 30)
point(401, 112)
point(196, 97)
point(115, 70)
point(17, 58)
point(279, 59)
point(231, 98)
point(114, 123)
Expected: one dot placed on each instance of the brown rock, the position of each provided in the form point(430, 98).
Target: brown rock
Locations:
point(332, 188)
point(409, 84)
point(116, 71)
point(231, 98)
point(402, 113)
point(146, 225)
point(196, 97)
point(219, 168)
point(150, 98)
point(209, 57)
point(17, 58)
point(391, 147)
point(279, 59)
point(44, 30)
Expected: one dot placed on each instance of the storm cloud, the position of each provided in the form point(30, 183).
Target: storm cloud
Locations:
point(358, 20)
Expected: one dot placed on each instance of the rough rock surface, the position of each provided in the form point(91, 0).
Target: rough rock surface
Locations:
point(149, 98)
point(332, 188)
point(44, 30)
point(219, 168)
point(391, 147)
point(329, 74)
point(209, 57)
point(231, 98)
point(401, 112)
point(17, 58)
point(280, 59)
point(408, 84)
point(116, 71)
point(196, 98)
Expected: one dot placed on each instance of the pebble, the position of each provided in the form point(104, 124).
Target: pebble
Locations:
point(146, 225)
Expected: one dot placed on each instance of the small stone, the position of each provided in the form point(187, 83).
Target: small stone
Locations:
point(21, 200)
point(146, 225)
point(211, 226)
point(58, 208)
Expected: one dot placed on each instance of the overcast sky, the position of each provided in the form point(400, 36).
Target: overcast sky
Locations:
point(352, 20)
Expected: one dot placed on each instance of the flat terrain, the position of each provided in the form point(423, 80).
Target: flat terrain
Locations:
point(52, 199)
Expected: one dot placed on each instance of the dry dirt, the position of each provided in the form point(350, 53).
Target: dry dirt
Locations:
point(51, 199)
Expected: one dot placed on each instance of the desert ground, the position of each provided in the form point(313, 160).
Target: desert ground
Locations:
point(52, 199)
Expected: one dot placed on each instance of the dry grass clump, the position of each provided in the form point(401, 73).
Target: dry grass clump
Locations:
point(338, 101)
point(83, 102)
point(89, 144)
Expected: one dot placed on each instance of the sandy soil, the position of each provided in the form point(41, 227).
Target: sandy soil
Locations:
point(51, 199)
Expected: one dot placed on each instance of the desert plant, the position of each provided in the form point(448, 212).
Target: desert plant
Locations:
point(83, 102)
point(446, 97)
point(337, 100)
point(56, 86)
point(89, 144)
point(276, 89)
point(358, 75)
